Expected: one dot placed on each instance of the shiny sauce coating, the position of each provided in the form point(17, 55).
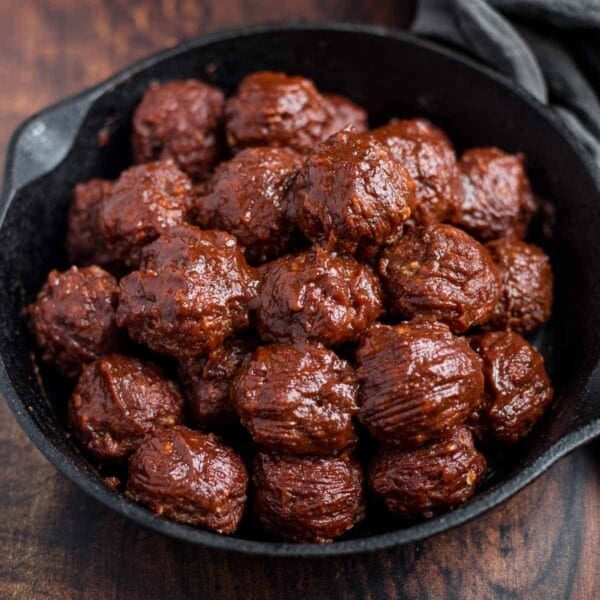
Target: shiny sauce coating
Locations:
point(273, 285)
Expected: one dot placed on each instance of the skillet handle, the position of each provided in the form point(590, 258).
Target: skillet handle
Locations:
point(585, 422)
point(590, 413)
point(42, 141)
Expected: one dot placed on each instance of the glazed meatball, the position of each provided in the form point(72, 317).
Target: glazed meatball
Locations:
point(147, 200)
point(118, 402)
point(352, 194)
point(73, 318)
point(247, 199)
point(427, 480)
point(527, 282)
point(274, 109)
point(206, 382)
point(497, 198)
point(83, 243)
point(191, 293)
point(190, 477)
point(428, 156)
point(517, 387)
point(345, 112)
point(297, 399)
point(310, 498)
point(417, 380)
point(179, 120)
point(441, 273)
point(316, 296)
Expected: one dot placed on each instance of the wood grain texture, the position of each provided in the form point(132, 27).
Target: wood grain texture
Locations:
point(55, 542)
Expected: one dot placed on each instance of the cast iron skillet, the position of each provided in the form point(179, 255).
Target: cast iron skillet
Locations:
point(390, 73)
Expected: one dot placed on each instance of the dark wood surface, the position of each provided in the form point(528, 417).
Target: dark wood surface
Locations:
point(55, 542)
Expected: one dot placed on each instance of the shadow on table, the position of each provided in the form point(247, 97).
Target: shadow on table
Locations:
point(528, 545)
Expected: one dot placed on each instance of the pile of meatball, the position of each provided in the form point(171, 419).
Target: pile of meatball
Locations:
point(353, 299)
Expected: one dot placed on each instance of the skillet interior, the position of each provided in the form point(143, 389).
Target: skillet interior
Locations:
point(390, 74)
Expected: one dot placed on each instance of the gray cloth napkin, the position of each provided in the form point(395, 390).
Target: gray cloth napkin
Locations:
point(549, 47)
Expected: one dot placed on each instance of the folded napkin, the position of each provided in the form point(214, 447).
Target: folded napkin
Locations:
point(551, 48)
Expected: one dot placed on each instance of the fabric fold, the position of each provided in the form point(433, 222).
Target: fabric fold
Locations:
point(528, 42)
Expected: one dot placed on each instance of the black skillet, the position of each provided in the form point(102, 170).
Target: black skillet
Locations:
point(391, 74)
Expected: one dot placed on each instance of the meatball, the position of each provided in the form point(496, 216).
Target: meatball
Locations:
point(246, 198)
point(497, 198)
point(190, 477)
point(180, 120)
point(417, 380)
point(118, 402)
point(310, 498)
point(147, 200)
point(191, 293)
point(441, 273)
point(428, 156)
point(345, 112)
point(316, 296)
point(517, 387)
point(206, 382)
point(274, 109)
point(297, 399)
point(83, 243)
point(73, 318)
point(527, 282)
point(430, 479)
point(351, 194)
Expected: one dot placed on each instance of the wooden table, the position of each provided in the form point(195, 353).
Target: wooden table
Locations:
point(55, 542)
